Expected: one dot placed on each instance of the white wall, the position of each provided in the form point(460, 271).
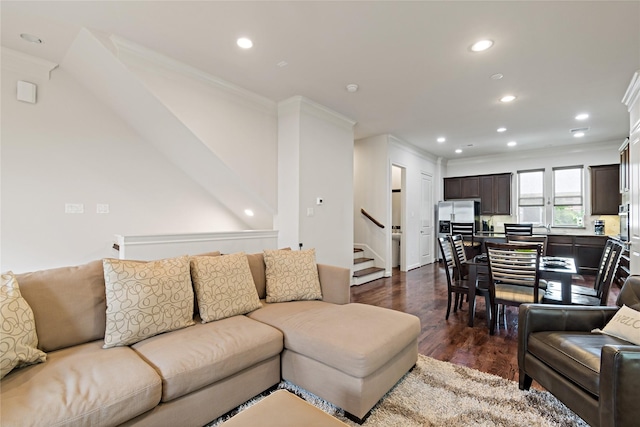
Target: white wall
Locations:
point(69, 148)
point(371, 193)
point(373, 161)
point(415, 163)
point(323, 142)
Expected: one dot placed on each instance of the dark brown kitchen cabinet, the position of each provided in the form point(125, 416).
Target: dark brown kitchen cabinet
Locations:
point(452, 188)
point(470, 187)
point(586, 250)
point(465, 187)
point(605, 191)
point(495, 194)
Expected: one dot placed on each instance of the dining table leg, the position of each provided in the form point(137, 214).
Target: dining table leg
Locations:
point(473, 274)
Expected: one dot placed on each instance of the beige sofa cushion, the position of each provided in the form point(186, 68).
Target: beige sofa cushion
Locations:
point(81, 385)
point(224, 286)
point(146, 298)
point(356, 339)
point(18, 339)
point(292, 275)
point(65, 296)
point(195, 357)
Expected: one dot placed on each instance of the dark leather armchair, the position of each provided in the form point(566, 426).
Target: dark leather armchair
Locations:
point(597, 376)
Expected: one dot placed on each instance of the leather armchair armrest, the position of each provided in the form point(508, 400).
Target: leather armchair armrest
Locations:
point(548, 317)
point(619, 391)
point(335, 283)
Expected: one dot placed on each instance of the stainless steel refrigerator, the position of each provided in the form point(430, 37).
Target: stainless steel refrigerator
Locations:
point(457, 211)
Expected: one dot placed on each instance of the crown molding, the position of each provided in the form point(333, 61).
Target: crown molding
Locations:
point(24, 63)
point(318, 110)
point(407, 146)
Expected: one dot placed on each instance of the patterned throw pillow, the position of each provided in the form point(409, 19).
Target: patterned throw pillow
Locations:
point(146, 298)
point(292, 275)
point(224, 286)
point(18, 339)
point(625, 325)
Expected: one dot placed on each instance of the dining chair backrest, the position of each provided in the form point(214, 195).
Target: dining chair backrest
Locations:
point(610, 267)
point(459, 255)
point(522, 239)
point(465, 229)
point(514, 264)
point(604, 261)
point(519, 229)
point(447, 258)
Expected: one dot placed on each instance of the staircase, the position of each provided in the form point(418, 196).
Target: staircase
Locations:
point(364, 269)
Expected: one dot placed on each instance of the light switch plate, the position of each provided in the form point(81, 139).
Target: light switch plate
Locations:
point(73, 208)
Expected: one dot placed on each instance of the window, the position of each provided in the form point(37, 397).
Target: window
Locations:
point(568, 201)
point(531, 196)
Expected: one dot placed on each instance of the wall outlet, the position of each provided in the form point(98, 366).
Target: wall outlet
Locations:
point(102, 208)
point(73, 208)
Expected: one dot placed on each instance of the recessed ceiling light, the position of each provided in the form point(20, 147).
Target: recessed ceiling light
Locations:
point(245, 43)
point(497, 76)
point(30, 38)
point(512, 143)
point(503, 129)
point(352, 87)
point(481, 45)
point(441, 139)
point(458, 151)
point(582, 116)
point(282, 64)
point(507, 98)
point(248, 212)
point(578, 134)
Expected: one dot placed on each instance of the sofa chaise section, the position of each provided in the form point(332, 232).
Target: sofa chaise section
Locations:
point(350, 355)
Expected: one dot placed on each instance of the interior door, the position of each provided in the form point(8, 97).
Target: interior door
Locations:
point(426, 220)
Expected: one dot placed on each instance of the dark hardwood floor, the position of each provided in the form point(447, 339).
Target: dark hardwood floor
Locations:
point(423, 292)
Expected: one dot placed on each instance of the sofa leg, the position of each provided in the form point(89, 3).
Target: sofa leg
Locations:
point(524, 381)
point(355, 419)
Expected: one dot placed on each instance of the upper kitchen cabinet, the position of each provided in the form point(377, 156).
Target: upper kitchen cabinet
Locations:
point(605, 189)
point(495, 194)
point(466, 187)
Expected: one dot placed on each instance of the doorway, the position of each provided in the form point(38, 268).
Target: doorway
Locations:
point(398, 209)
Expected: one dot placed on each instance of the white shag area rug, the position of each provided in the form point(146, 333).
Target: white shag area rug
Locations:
point(440, 394)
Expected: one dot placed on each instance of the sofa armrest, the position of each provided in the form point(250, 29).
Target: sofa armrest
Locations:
point(335, 283)
point(619, 392)
point(548, 317)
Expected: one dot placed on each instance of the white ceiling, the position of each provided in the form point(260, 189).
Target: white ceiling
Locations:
point(418, 79)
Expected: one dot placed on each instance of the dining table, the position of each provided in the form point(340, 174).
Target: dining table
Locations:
point(556, 269)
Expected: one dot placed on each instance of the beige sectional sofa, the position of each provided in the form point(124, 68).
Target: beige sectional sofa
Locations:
point(349, 354)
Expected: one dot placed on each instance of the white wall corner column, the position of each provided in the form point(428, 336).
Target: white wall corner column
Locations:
point(315, 161)
point(632, 100)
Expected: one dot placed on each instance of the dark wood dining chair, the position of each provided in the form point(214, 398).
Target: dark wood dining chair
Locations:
point(462, 270)
point(456, 286)
point(526, 239)
point(599, 294)
point(518, 229)
point(467, 231)
point(514, 276)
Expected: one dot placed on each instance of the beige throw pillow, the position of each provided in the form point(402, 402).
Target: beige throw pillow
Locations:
point(146, 298)
point(625, 325)
point(224, 286)
point(292, 275)
point(18, 339)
